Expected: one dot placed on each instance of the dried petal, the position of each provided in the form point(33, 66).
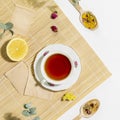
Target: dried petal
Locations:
point(68, 97)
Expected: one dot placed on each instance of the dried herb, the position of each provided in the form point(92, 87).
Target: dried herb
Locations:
point(89, 20)
point(7, 26)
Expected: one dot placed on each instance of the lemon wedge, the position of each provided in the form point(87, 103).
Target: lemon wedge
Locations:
point(17, 49)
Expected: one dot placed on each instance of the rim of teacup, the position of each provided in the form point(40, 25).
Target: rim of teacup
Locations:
point(48, 79)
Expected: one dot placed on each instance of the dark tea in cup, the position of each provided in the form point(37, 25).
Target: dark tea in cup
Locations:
point(57, 67)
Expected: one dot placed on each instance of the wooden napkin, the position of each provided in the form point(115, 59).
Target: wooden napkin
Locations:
point(22, 79)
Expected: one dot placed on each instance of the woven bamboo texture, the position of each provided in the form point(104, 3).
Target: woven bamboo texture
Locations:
point(39, 35)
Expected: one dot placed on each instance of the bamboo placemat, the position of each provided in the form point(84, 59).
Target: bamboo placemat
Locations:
point(40, 35)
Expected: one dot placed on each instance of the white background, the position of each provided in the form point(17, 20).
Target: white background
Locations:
point(106, 43)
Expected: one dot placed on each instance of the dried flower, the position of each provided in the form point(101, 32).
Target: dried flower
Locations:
point(68, 97)
point(54, 28)
point(54, 15)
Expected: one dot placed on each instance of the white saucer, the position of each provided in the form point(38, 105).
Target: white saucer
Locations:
point(57, 47)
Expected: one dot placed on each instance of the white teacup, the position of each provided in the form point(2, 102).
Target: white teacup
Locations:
point(57, 67)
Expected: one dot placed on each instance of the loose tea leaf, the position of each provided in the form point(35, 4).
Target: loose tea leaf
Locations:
point(68, 97)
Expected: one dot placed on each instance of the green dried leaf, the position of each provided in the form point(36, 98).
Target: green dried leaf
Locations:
point(37, 118)
point(2, 26)
point(9, 26)
point(27, 106)
point(32, 111)
point(26, 113)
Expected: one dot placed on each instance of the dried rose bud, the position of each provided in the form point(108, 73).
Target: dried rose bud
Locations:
point(54, 15)
point(54, 28)
point(88, 111)
point(92, 105)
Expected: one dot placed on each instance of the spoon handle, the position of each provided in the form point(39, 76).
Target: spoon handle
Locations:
point(78, 117)
point(77, 6)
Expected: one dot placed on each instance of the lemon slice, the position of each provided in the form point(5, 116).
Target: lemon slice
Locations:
point(17, 49)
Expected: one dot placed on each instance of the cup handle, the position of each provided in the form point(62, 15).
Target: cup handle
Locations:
point(43, 81)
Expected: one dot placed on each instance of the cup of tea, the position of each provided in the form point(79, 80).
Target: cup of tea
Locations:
point(57, 67)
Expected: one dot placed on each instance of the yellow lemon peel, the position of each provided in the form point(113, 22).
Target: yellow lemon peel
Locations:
point(17, 49)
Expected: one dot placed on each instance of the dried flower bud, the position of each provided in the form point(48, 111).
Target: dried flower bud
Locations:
point(54, 15)
point(54, 28)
